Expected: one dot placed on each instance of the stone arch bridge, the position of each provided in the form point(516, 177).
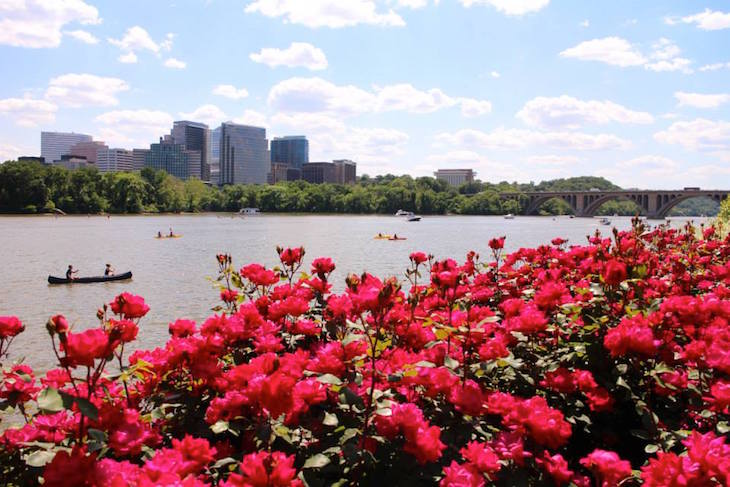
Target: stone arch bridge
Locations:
point(653, 203)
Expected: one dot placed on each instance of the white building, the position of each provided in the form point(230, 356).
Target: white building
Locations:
point(56, 144)
point(455, 177)
point(110, 160)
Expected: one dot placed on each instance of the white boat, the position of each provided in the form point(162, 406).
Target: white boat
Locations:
point(604, 221)
point(403, 213)
point(249, 211)
point(509, 216)
point(413, 218)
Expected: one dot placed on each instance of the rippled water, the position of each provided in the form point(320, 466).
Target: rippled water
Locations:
point(171, 274)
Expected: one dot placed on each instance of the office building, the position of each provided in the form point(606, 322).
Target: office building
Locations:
point(455, 177)
point(292, 150)
point(340, 171)
point(56, 144)
point(293, 174)
point(319, 172)
point(138, 157)
point(345, 171)
point(87, 150)
point(194, 136)
point(109, 160)
point(244, 154)
point(278, 172)
point(171, 157)
point(72, 162)
point(215, 156)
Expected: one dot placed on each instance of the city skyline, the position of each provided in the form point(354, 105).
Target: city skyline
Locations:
point(521, 90)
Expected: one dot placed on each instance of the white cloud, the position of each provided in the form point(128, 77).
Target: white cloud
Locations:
point(515, 139)
point(650, 165)
point(298, 54)
point(495, 74)
point(699, 134)
point(174, 63)
point(83, 36)
point(128, 58)
point(715, 66)
point(568, 112)
point(414, 4)
point(700, 100)
point(9, 152)
point(137, 39)
point(77, 90)
point(617, 51)
point(252, 117)
point(28, 112)
point(610, 50)
point(705, 20)
point(319, 95)
point(230, 91)
point(510, 7)
point(327, 13)
point(39, 23)
point(553, 160)
point(208, 114)
point(138, 128)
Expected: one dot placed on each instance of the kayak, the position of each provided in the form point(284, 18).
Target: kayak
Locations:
point(383, 237)
point(168, 236)
point(399, 238)
point(86, 280)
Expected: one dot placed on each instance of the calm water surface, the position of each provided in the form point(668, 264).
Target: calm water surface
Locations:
point(172, 274)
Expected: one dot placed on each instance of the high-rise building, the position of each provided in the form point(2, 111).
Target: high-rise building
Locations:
point(455, 177)
point(170, 157)
point(194, 136)
point(108, 160)
point(138, 156)
point(215, 156)
point(292, 150)
point(278, 172)
point(345, 171)
point(340, 171)
point(87, 150)
point(56, 144)
point(244, 154)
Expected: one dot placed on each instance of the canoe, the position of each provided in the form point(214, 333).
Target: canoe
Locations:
point(86, 280)
point(168, 236)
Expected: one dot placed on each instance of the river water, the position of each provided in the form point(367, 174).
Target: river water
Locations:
point(172, 274)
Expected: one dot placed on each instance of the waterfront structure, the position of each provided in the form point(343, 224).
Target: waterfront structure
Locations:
point(215, 156)
point(339, 171)
point(138, 158)
point(345, 171)
point(108, 160)
point(455, 177)
point(194, 136)
point(653, 203)
point(87, 150)
point(56, 144)
point(291, 149)
point(244, 154)
point(173, 158)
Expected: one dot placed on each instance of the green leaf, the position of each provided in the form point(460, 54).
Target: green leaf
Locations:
point(219, 427)
point(384, 412)
point(451, 363)
point(224, 461)
point(50, 401)
point(40, 458)
point(330, 419)
point(329, 379)
point(651, 448)
point(86, 408)
point(316, 461)
point(723, 427)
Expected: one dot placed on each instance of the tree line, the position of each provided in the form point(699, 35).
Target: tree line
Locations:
point(30, 187)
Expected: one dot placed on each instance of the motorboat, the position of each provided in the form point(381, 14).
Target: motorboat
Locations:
point(413, 218)
point(509, 216)
point(249, 211)
point(604, 221)
point(403, 213)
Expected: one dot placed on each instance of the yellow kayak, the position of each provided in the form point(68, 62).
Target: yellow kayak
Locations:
point(382, 237)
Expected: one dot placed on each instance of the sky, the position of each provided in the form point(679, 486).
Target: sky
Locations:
point(518, 90)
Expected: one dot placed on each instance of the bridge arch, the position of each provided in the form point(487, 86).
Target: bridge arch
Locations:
point(535, 202)
point(665, 203)
point(592, 205)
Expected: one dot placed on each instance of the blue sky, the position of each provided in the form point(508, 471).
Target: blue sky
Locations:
point(520, 90)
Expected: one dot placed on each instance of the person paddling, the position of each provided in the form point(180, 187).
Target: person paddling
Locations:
point(109, 271)
point(71, 272)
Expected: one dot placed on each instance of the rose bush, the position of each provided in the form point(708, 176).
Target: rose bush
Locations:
point(598, 364)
